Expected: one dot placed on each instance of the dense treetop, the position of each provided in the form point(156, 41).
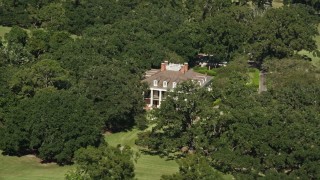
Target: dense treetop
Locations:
point(72, 69)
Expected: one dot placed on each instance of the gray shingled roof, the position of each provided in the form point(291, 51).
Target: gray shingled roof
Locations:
point(173, 76)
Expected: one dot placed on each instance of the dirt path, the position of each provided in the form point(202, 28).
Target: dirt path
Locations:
point(262, 82)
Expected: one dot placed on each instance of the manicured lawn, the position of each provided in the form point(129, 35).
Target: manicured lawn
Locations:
point(147, 167)
point(4, 30)
point(315, 59)
point(254, 77)
point(277, 3)
point(29, 167)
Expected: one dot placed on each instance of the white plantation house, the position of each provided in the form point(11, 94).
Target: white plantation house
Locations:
point(160, 81)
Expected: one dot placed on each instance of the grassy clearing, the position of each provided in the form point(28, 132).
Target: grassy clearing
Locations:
point(205, 70)
point(254, 77)
point(4, 30)
point(314, 59)
point(147, 167)
point(277, 3)
point(29, 167)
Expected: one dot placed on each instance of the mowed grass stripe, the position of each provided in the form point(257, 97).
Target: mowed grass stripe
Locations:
point(3, 31)
point(153, 167)
point(147, 167)
point(29, 167)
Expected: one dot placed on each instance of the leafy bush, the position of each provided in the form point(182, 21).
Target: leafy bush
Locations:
point(141, 121)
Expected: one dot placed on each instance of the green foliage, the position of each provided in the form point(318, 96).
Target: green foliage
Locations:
point(43, 74)
point(265, 134)
point(14, 13)
point(113, 84)
point(224, 36)
point(232, 79)
point(96, 12)
point(14, 51)
point(194, 167)
point(78, 56)
point(313, 3)
point(141, 121)
point(15, 54)
point(104, 162)
point(52, 16)
point(7, 99)
point(44, 42)
point(16, 36)
point(53, 125)
point(147, 166)
point(262, 4)
point(38, 42)
point(178, 120)
point(281, 32)
point(30, 168)
point(237, 130)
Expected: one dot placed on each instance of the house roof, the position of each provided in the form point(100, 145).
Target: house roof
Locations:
point(171, 76)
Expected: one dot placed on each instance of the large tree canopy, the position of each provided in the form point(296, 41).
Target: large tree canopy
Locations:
point(194, 167)
point(43, 74)
point(179, 119)
point(274, 133)
point(104, 162)
point(280, 33)
point(251, 135)
point(53, 124)
point(116, 92)
point(72, 69)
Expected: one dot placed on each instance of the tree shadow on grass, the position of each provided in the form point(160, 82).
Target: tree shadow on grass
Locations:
point(167, 156)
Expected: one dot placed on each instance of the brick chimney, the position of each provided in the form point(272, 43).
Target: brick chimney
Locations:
point(184, 68)
point(163, 66)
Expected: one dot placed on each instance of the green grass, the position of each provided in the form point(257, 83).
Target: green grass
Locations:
point(29, 167)
point(204, 70)
point(4, 30)
point(147, 167)
point(254, 77)
point(314, 59)
point(277, 3)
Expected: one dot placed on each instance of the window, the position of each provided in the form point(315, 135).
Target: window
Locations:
point(155, 83)
point(165, 84)
point(174, 85)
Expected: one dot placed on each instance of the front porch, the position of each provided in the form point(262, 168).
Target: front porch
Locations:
point(154, 97)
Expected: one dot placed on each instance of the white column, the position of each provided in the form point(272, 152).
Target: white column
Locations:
point(151, 97)
point(160, 97)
